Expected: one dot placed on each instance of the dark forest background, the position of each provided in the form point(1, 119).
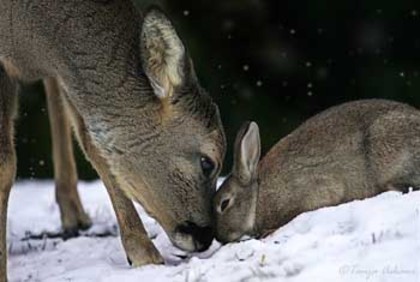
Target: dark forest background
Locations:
point(275, 62)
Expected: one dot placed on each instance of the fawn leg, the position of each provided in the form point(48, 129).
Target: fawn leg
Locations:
point(138, 246)
point(73, 216)
point(7, 158)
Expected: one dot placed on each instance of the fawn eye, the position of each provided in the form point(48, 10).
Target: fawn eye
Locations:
point(207, 166)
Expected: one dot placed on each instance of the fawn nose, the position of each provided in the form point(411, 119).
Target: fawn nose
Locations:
point(202, 236)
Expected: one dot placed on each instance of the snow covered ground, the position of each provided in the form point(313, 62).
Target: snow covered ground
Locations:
point(376, 239)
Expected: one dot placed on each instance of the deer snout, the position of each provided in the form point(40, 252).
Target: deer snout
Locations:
point(192, 237)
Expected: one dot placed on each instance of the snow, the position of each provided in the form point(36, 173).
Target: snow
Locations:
point(376, 239)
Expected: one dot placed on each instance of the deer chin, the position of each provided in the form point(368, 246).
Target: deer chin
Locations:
point(138, 191)
point(183, 241)
point(191, 238)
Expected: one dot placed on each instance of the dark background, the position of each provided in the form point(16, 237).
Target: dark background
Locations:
point(275, 62)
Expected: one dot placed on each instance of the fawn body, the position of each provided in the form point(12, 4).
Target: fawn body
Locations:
point(128, 88)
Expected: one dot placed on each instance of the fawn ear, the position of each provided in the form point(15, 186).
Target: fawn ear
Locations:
point(165, 60)
point(247, 152)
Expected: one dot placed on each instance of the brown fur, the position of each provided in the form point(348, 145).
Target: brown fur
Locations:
point(351, 151)
point(73, 217)
point(142, 120)
point(7, 157)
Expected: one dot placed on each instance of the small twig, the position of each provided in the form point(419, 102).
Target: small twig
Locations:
point(61, 235)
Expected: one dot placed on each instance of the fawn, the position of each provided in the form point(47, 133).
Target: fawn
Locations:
point(127, 87)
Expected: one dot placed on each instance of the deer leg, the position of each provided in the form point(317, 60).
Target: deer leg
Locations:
point(73, 216)
point(138, 246)
point(7, 158)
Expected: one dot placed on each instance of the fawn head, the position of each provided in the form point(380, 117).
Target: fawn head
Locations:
point(187, 147)
point(172, 169)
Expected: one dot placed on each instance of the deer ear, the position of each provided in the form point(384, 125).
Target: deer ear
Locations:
point(247, 152)
point(165, 60)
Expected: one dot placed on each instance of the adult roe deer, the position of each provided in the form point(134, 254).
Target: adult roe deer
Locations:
point(128, 88)
point(351, 151)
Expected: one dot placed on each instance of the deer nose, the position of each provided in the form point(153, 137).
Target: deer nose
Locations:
point(202, 235)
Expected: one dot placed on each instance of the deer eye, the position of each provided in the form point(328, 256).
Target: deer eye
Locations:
point(207, 166)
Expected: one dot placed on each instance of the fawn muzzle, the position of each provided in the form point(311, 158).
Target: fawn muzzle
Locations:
point(192, 237)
